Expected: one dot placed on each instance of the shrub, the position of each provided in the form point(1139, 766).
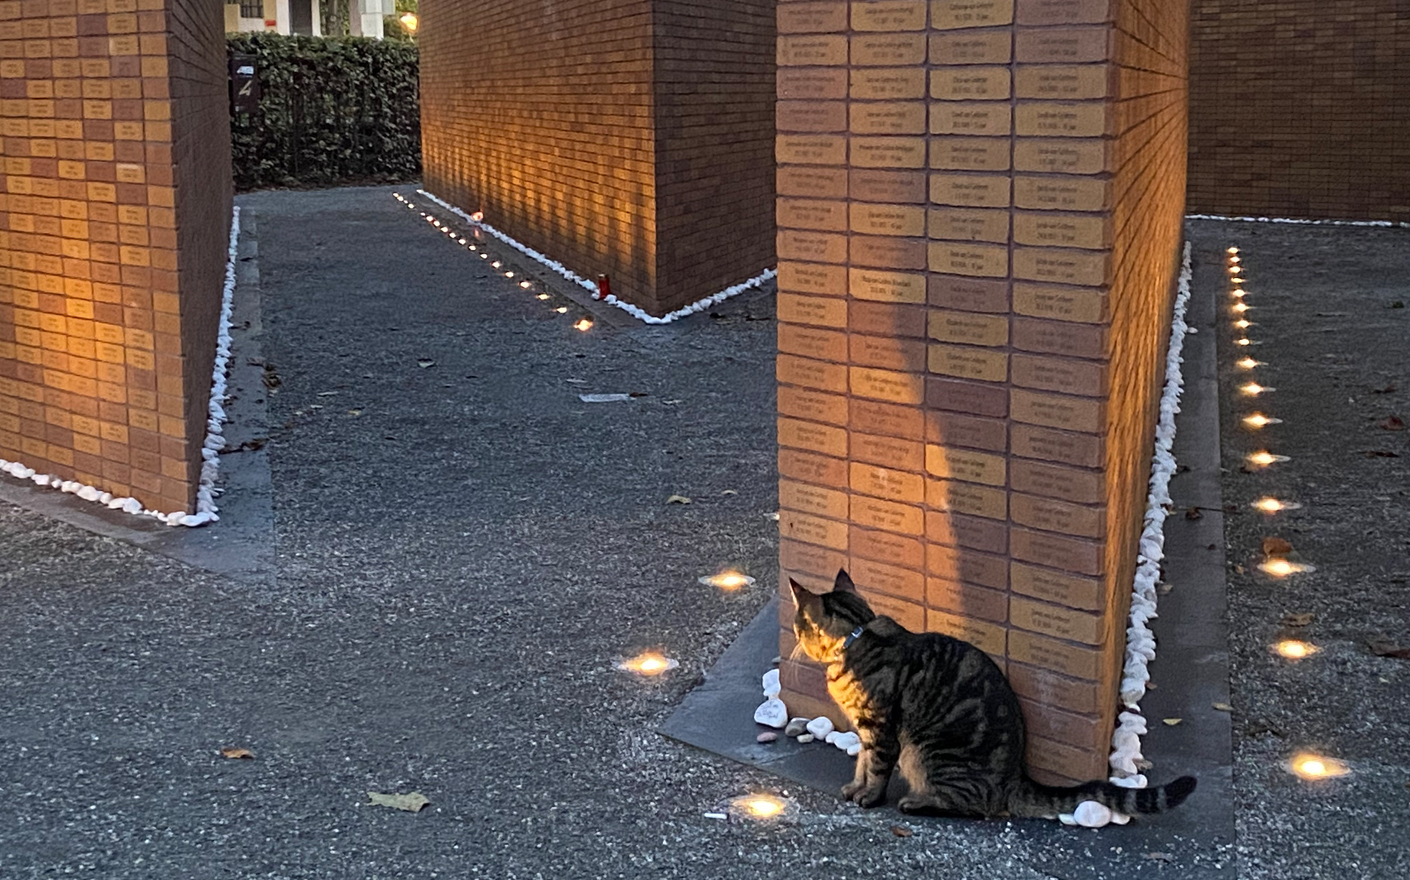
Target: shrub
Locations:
point(331, 110)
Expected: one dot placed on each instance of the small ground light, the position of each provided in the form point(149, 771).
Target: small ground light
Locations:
point(760, 807)
point(1259, 420)
point(508, 274)
point(1242, 324)
point(727, 580)
point(1247, 363)
point(1263, 459)
point(1253, 389)
point(583, 324)
point(1242, 307)
point(1283, 568)
point(543, 296)
point(1233, 250)
point(526, 284)
point(1273, 505)
point(649, 663)
point(1292, 649)
point(1243, 342)
point(496, 264)
point(562, 310)
point(1235, 260)
point(1312, 767)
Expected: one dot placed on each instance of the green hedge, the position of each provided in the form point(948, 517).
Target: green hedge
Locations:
point(332, 110)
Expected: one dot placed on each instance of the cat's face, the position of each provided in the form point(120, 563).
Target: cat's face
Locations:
point(823, 622)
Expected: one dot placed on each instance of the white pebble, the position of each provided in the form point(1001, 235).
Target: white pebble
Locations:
point(854, 749)
point(845, 741)
point(806, 738)
point(1090, 814)
point(821, 726)
point(1067, 819)
point(1119, 818)
point(831, 737)
point(772, 712)
point(772, 688)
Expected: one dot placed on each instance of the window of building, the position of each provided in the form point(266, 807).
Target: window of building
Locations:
point(252, 8)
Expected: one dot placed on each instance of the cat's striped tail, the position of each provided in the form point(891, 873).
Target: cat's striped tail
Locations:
point(1048, 801)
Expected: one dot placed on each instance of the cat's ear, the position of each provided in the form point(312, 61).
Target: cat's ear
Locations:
point(802, 596)
point(843, 584)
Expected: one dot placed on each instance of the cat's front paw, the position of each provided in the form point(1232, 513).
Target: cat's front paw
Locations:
point(851, 788)
point(869, 796)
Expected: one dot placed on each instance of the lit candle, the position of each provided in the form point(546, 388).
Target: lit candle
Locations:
point(1239, 291)
point(1253, 389)
point(727, 580)
point(526, 284)
point(1242, 307)
point(1233, 250)
point(562, 310)
point(1234, 260)
point(1311, 767)
point(1263, 459)
point(1283, 568)
point(543, 296)
point(1245, 341)
point(1292, 649)
point(496, 264)
point(1273, 505)
point(1247, 363)
point(1258, 420)
point(1242, 324)
point(649, 663)
point(508, 274)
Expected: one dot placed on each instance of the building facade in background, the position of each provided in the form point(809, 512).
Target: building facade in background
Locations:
point(365, 17)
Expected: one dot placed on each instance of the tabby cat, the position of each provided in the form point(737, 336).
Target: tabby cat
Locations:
point(943, 712)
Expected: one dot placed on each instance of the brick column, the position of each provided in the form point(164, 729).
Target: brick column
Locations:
point(114, 209)
point(979, 210)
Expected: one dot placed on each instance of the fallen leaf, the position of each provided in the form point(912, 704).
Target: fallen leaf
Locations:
point(1398, 304)
point(638, 394)
point(1194, 513)
point(1238, 568)
point(412, 803)
point(423, 363)
point(1160, 857)
point(1171, 722)
point(248, 446)
point(327, 393)
point(729, 492)
point(238, 754)
point(1389, 389)
point(1387, 648)
point(678, 499)
point(1380, 453)
point(354, 412)
point(1223, 707)
point(1142, 764)
point(1276, 547)
point(901, 831)
point(271, 378)
point(1302, 619)
point(1394, 423)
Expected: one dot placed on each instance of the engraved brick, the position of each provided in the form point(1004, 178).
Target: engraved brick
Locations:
point(969, 259)
point(1061, 155)
point(905, 187)
point(880, 286)
point(812, 468)
point(958, 598)
point(1078, 555)
point(888, 483)
point(1059, 587)
point(1062, 45)
point(965, 362)
point(889, 15)
point(1060, 303)
point(811, 116)
point(971, 83)
point(1048, 687)
point(1068, 193)
point(811, 149)
point(1062, 375)
point(969, 224)
point(888, 50)
point(891, 452)
point(1054, 481)
point(888, 152)
point(887, 419)
point(816, 278)
point(1052, 337)
point(966, 397)
point(1082, 119)
point(822, 183)
point(811, 83)
point(816, 50)
point(804, 403)
point(886, 352)
point(890, 516)
point(1053, 515)
point(971, 118)
point(954, 14)
point(818, 17)
point(1060, 764)
point(892, 117)
point(815, 500)
point(969, 294)
point(888, 83)
point(971, 47)
point(812, 529)
point(887, 251)
point(878, 219)
point(1083, 450)
point(1061, 265)
point(910, 615)
point(887, 385)
point(889, 547)
point(818, 311)
point(799, 434)
point(1068, 659)
point(1058, 411)
point(954, 429)
point(967, 498)
point(819, 247)
point(970, 153)
point(970, 190)
point(828, 216)
point(1049, 12)
point(1054, 229)
point(1049, 722)
point(953, 563)
point(888, 319)
point(987, 637)
point(1062, 82)
point(968, 328)
point(809, 373)
point(893, 580)
point(965, 464)
point(809, 558)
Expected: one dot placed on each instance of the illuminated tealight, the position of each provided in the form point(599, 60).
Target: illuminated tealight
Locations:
point(1235, 260)
point(1235, 270)
point(562, 310)
point(1263, 459)
point(1253, 389)
point(1242, 324)
point(496, 264)
point(1283, 568)
point(508, 274)
point(526, 284)
point(1292, 649)
point(1247, 363)
point(1233, 250)
point(1258, 420)
point(463, 241)
point(1244, 341)
point(583, 324)
point(543, 296)
point(758, 806)
point(650, 663)
point(1242, 307)
point(1310, 767)
point(1273, 505)
point(727, 580)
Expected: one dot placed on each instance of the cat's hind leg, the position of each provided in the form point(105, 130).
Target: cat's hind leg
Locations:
point(960, 794)
point(876, 760)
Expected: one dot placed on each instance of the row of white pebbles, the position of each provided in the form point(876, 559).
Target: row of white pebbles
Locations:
point(1140, 641)
point(591, 286)
point(206, 511)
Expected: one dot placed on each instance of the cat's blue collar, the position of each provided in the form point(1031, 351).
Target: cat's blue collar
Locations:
point(852, 637)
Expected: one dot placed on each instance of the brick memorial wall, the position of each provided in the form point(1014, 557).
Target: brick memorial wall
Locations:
point(979, 207)
point(1300, 108)
point(115, 202)
point(630, 138)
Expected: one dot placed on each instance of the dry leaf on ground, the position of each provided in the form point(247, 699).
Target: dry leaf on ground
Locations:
point(1380, 453)
point(678, 499)
point(1194, 513)
point(901, 831)
point(239, 754)
point(1276, 547)
point(1223, 707)
point(1171, 722)
point(1387, 648)
point(1394, 423)
point(412, 803)
point(1302, 619)
point(424, 363)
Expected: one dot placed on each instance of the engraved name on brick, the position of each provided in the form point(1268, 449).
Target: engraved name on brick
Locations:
point(881, 286)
